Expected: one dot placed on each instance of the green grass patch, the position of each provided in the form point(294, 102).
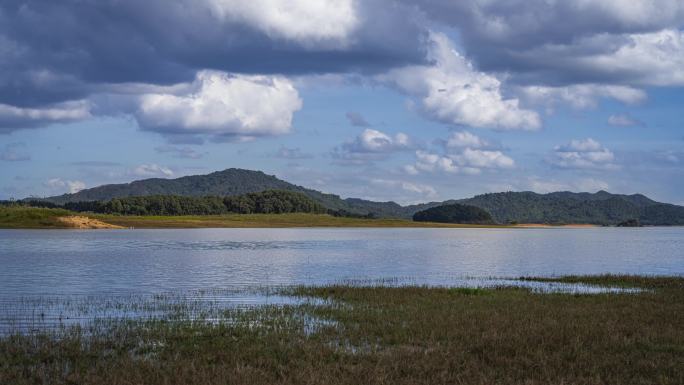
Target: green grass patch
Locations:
point(261, 221)
point(18, 217)
point(21, 217)
point(381, 335)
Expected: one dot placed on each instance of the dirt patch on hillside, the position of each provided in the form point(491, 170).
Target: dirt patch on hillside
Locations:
point(79, 222)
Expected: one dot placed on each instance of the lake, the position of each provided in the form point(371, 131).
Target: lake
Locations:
point(227, 263)
point(134, 261)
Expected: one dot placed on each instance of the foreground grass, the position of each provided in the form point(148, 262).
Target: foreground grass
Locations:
point(19, 217)
point(383, 335)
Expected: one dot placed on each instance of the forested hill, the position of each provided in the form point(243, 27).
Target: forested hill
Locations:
point(524, 207)
point(221, 183)
point(229, 182)
point(601, 208)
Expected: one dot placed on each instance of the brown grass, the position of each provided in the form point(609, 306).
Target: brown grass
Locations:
point(382, 335)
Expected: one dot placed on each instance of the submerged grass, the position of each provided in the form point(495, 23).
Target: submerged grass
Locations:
point(382, 335)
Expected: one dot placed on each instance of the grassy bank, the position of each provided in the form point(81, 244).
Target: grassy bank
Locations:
point(19, 217)
point(383, 335)
point(261, 220)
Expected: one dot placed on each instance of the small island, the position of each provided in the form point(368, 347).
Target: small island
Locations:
point(455, 213)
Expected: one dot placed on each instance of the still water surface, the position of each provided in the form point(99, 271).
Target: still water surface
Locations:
point(151, 261)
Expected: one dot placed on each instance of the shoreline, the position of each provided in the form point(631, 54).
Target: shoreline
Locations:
point(82, 221)
point(295, 220)
point(547, 226)
point(271, 221)
point(43, 218)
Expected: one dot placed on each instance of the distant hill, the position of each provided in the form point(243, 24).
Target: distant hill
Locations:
point(229, 182)
point(601, 208)
point(221, 183)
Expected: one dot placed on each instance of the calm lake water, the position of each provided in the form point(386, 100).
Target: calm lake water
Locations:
point(135, 261)
point(120, 263)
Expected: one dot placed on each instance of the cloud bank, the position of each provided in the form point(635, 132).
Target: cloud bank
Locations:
point(66, 61)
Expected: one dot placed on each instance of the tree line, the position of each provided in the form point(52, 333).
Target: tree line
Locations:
point(266, 202)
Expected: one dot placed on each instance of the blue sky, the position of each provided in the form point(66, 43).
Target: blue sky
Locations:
point(408, 101)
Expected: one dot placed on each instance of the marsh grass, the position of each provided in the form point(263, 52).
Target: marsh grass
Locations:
point(343, 334)
point(634, 281)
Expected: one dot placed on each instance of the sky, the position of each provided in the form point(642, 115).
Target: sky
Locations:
point(403, 100)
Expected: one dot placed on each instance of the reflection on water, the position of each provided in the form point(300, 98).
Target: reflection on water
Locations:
point(153, 261)
point(41, 313)
point(54, 313)
point(39, 270)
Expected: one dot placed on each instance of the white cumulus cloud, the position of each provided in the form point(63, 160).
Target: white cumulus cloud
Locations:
point(431, 162)
point(462, 139)
point(454, 92)
point(222, 104)
point(583, 154)
point(483, 159)
point(371, 145)
point(371, 140)
point(470, 161)
point(466, 153)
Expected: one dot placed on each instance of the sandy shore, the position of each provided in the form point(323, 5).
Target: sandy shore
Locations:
point(80, 222)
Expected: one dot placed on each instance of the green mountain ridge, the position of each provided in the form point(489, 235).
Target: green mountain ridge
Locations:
point(602, 208)
point(229, 182)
